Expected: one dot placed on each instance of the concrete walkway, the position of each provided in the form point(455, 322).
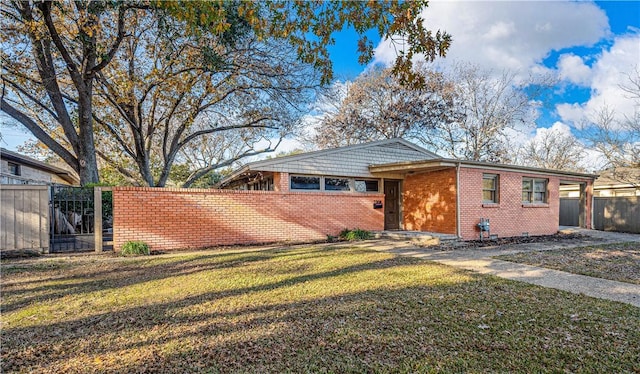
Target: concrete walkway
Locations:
point(481, 261)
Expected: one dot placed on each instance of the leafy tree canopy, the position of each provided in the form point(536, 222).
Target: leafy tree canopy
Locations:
point(309, 27)
point(60, 58)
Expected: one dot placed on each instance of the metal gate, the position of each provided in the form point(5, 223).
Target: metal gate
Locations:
point(72, 219)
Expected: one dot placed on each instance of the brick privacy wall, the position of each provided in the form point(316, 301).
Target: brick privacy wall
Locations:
point(509, 217)
point(172, 218)
point(429, 201)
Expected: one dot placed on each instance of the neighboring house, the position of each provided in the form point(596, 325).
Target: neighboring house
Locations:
point(425, 192)
point(20, 169)
point(610, 183)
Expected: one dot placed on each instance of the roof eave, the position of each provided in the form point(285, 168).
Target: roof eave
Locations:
point(233, 176)
point(445, 162)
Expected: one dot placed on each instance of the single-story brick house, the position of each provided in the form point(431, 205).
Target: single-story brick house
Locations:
point(423, 191)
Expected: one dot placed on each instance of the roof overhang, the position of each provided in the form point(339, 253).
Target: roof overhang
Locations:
point(412, 166)
point(245, 170)
point(66, 175)
point(443, 163)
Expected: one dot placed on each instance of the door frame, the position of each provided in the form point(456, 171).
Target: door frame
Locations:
point(398, 203)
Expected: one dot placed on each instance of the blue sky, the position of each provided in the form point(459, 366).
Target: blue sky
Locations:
point(588, 45)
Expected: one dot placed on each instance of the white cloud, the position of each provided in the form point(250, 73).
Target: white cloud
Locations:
point(611, 70)
point(573, 113)
point(510, 35)
point(558, 128)
point(573, 69)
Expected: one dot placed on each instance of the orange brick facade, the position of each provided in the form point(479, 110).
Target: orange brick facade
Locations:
point(171, 218)
point(510, 217)
point(429, 201)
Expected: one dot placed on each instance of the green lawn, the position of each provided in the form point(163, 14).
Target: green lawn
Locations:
point(619, 262)
point(302, 309)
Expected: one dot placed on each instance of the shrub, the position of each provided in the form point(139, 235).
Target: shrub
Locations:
point(133, 248)
point(355, 234)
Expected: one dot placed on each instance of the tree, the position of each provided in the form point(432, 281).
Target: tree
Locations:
point(617, 138)
point(464, 113)
point(174, 101)
point(487, 107)
point(54, 53)
point(378, 106)
point(553, 149)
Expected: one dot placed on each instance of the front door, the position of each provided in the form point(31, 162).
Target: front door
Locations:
point(391, 205)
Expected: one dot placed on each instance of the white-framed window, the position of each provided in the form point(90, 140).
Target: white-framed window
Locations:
point(490, 184)
point(534, 190)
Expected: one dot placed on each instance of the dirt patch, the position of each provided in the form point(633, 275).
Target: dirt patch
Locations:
point(559, 238)
point(19, 253)
point(619, 262)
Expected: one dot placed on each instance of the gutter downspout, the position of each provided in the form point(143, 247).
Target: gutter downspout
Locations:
point(458, 200)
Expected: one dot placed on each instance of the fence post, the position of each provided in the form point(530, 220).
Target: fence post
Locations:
point(97, 218)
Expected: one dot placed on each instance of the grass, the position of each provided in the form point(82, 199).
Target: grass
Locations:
point(619, 262)
point(302, 309)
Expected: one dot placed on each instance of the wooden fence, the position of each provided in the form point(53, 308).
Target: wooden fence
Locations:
point(617, 214)
point(24, 223)
point(569, 211)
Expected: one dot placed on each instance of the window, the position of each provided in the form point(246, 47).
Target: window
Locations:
point(305, 183)
point(366, 185)
point(336, 184)
point(534, 191)
point(332, 183)
point(489, 188)
point(14, 169)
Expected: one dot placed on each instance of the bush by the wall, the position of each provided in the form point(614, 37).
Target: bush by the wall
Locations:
point(355, 234)
point(134, 248)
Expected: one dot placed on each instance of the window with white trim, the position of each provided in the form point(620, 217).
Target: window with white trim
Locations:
point(490, 188)
point(534, 190)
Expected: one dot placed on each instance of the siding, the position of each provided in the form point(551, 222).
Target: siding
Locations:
point(348, 162)
point(27, 175)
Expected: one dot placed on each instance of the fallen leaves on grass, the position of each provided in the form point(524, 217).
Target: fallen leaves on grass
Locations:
point(619, 262)
point(306, 309)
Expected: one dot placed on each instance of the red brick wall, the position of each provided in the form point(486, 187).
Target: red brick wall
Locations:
point(429, 201)
point(281, 182)
point(509, 217)
point(171, 218)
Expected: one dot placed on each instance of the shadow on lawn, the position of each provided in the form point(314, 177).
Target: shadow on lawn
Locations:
point(370, 330)
point(118, 275)
point(107, 326)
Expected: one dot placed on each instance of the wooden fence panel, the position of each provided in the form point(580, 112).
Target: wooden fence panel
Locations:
point(569, 211)
point(617, 214)
point(25, 217)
